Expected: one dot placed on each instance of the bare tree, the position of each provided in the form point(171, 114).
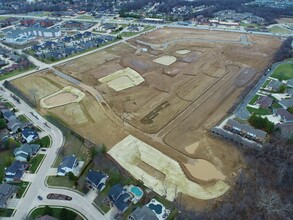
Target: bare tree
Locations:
point(271, 203)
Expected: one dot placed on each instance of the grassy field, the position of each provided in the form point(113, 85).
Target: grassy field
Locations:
point(260, 111)
point(283, 72)
point(62, 181)
point(44, 142)
point(87, 17)
point(22, 188)
point(280, 30)
point(23, 118)
point(3, 18)
point(8, 105)
point(15, 73)
point(35, 162)
point(6, 212)
point(265, 83)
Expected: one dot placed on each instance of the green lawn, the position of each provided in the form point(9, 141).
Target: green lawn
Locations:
point(280, 30)
point(62, 181)
point(14, 73)
point(3, 18)
point(23, 118)
point(260, 111)
point(8, 105)
point(54, 212)
point(5, 157)
point(35, 162)
point(22, 188)
point(86, 17)
point(6, 212)
point(283, 72)
point(44, 142)
point(276, 105)
point(266, 83)
point(254, 99)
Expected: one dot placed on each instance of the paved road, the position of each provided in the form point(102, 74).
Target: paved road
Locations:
point(38, 187)
point(241, 111)
point(243, 40)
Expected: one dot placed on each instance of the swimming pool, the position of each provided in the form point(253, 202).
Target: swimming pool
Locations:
point(157, 208)
point(136, 191)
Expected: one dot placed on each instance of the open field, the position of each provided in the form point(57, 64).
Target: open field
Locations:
point(174, 108)
point(283, 72)
point(280, 30)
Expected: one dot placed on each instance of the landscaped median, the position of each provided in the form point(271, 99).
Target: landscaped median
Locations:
point(59, 212)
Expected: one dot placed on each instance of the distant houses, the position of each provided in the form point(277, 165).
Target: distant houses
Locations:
point(245, 131)
point(286, 117)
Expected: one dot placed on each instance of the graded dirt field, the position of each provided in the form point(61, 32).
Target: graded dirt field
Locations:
point(142, 161)
point(65, 96)
point(85, 117)
point(175, 106)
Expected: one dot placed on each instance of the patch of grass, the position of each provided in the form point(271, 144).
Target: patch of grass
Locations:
point(283, 72)
point(23, 118)
point(276, 105)
point(266, 83)
point(35, 162)
point(5, 157)
point(8, 105)
point(62, 181)
point(43, 142)
point(54, 212)
point(6, 212)
point(86, 17)
point(254, 99)
point(15, 73)
point(279, 30)
point(22, 188)
point(260, 111)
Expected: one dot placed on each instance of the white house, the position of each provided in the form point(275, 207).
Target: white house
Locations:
point(67, 165)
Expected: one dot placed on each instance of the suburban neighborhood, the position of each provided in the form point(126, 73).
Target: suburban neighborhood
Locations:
point(146, 110)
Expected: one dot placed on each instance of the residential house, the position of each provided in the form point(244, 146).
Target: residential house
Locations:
point(27, 22)
point(286, 130)
point(119, 197)
point(143, 213)
point(14, 124)
point(7, 114)
point(7, 191)
point(97, 179)
point(274, 85)
point(29, 135)
point(290, 83)
point(286, 103)
point(264, 101)
point(67, 165)
point(15, 171)
point(26, 151)
point(245, 131)
point(46, 23)
point(286, 116)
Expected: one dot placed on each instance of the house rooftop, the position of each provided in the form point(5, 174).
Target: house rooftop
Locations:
point(143, 213)
point(265, 101)
point(116, 191)
point(95, 176)
point(286, 103)
point(285, 114)
point(247, 128)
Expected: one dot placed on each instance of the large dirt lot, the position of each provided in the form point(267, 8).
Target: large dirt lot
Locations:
point(177, 104)
point(85, 117)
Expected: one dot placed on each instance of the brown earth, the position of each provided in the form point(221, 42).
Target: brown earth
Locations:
point(177, 104)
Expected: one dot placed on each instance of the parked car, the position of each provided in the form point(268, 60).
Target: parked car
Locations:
point(40, 197)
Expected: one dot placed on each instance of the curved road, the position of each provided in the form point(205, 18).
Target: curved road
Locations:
point(38, 187)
